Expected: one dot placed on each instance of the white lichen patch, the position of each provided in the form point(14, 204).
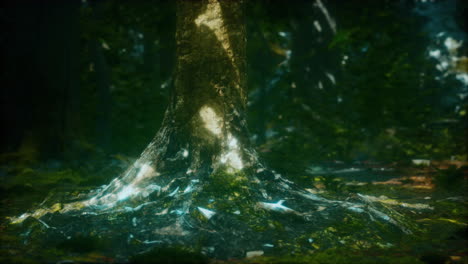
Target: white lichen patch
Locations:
point(211, 120)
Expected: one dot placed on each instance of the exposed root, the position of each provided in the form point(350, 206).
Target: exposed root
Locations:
point(229, 211)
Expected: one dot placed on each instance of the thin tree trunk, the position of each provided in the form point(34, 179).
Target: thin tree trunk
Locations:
point(56, 120)
point(103, 108)
point(103, 132)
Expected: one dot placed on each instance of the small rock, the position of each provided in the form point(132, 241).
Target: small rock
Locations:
point(421, 162)
point(256, 253)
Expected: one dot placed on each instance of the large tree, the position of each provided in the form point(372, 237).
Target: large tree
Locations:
point(204, 130)
point(198, 182)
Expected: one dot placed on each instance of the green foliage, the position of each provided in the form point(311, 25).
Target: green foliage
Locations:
point(386, 105)
point(137, 54)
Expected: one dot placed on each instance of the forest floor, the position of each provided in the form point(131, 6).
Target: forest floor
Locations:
point(434, 194)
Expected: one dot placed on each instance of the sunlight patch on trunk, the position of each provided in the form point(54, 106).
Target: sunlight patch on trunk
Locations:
point(232, 157)
point(212, 121)
point(213, 19)
point(232, 154)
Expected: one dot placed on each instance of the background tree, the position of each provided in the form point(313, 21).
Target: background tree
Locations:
point(45, 48)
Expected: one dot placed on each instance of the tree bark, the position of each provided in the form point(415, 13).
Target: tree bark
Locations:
point(103, 109)
point(204, 129)
point(206, 112)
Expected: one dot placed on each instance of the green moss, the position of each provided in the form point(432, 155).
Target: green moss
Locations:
point(234, 181)
point(18, 259)
point(227, 192)
point(170, 255)
point(340, 256)
point(30, 180)
point(82, 244)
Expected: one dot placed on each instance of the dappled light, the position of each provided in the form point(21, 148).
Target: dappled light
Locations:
point(212, 18)
point(212, 121)
point(219, 131)
point(232, 156)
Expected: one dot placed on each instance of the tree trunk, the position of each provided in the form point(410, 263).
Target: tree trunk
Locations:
point(102, 74)
point(103, 127)
point(206, 112)
point(56, 119)
point(204, 130)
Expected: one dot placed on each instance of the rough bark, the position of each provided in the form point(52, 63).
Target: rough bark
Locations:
point(207, 106)
point(206, 112)
point(204, 130)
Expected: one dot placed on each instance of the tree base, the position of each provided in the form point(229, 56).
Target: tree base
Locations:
point(223, 215)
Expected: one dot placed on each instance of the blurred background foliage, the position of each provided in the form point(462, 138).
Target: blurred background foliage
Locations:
point(347, 81)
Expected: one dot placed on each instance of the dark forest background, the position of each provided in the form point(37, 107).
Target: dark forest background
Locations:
point(86, 83)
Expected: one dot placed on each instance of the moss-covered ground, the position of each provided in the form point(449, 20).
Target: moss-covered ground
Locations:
point(433, 198)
